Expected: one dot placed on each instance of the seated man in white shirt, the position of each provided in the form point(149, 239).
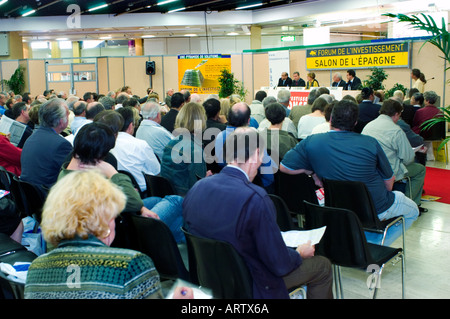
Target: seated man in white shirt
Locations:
point(132, 154)
point(150, 129)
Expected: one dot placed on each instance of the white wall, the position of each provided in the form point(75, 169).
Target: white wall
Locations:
point(195, 45)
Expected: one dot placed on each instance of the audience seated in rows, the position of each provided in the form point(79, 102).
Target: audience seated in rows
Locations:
point(333, 156)
point(91, 146)
point(288, 125)
point(247, 220)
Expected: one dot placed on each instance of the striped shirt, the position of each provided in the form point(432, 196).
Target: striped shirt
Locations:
point(88, 269)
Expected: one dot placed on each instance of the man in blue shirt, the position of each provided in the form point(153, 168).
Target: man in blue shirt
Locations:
point(239, 116)
point(229, 207)
point(345, 155)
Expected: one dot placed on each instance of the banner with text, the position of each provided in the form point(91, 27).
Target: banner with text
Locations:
point(364, 56)
point(199, 73)
point(278, 63)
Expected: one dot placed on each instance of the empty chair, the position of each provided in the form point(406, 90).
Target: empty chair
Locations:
point(284, 218)
point(355, 196)
point(156, 240)
point(294, 189)
point(33, 198)
point(344, 244)
point(219, 267)
point(158, 186)
point(436, 133)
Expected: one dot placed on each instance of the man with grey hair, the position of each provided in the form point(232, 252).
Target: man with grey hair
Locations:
point(337, 80)
point(79, 109)
point(108, 102)
point(150, 130)
point(427, 112)
point(283, 97)
point(45, 150)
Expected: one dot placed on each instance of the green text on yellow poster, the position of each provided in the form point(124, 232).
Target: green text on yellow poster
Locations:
point(199, 73)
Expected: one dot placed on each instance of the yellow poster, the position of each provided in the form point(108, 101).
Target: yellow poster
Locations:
point(199, 73)
point(365, 56)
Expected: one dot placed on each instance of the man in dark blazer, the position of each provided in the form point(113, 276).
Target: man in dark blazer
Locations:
point(168, 120)
point(368, 110)
point(297, 80)
point(337, 81)
point(285, 80)
point(45, 150)
point(353, 82)
point(247, 220)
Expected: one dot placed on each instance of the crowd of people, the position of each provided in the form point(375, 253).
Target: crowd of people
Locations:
point(88, 155)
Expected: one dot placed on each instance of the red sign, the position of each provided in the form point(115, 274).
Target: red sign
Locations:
point(298, 98)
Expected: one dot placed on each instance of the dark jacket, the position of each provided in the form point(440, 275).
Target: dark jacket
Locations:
point(246, 218)
point(168, 120)
point(287, 82)
point(354, 85)
point(43, 154)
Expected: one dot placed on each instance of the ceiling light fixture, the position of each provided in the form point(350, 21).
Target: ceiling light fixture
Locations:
point(148, 36)
point(28, 13)
point(175, 10)
point(233, 33)
point(165, 2)
point(3, 1)
point(98, 7)
point(249, 6)
point(190, 35)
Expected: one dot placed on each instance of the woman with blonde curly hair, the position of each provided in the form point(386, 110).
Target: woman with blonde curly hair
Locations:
point(78, 218)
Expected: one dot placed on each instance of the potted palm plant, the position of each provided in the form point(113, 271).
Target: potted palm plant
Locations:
point(440, 38)
point(16, 83)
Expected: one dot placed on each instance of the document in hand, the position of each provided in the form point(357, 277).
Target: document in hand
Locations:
point(293, 238)
point(16, 129)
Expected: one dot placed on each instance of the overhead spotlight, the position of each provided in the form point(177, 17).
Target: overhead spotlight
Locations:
point(98, 7)
point(249, 6)
point(28, 13)
point(165, 2)
point(175, 10)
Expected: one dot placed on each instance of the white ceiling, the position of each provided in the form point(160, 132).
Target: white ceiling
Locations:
point(359, 17)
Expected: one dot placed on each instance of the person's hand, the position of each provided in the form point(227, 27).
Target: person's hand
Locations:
point(183, 293)
point(317, 180)
point(105, 168)
point(423, 149)
point(306, 250)
point(209, 173)
point(148, 213)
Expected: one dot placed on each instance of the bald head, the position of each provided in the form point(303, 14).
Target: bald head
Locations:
point(239, 115)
